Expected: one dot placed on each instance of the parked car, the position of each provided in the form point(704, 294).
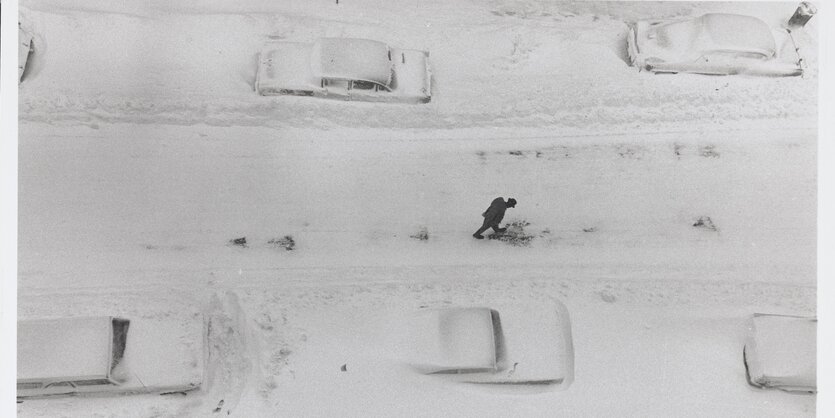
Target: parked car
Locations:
point(344, 68)
point(715, 43)
point(780, 352)
point(96, 355)
point(505, 345)
point(24, 48)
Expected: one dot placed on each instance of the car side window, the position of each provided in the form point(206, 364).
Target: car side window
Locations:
point(736, 54)
point(93, 382)
point(60, 384)
point(364, 85)
point(336, 84)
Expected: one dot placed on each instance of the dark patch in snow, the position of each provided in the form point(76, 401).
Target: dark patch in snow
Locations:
point(422, 234)
point(344, 367)
point(708, 151)
point(265, 322)
point(287, 242)
point(515, 234)
point(607, 296)
point(238, 241)
point(706, 223)
point(516, 153)
point(629, 152)
point(677, 149)
point(591, 229)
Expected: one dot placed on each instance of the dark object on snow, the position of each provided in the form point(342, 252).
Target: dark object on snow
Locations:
point(422, 234)
point(801, 16)
point(285, 242)
point(494, 215)
point(709, 151)
point(705, 222)
point(239, 241)
point(344, 367)
point(514, 234)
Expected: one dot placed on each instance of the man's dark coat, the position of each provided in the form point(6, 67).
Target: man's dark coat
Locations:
point(495, 213)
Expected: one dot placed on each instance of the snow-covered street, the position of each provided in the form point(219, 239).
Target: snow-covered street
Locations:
point(662, 210)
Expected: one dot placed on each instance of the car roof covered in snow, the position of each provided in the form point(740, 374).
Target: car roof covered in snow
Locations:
point(286, 65)
point(780, 351)
point(352, 59)
point(453, 339)
point(720, 32)
point(730, 31)
point(64, 349)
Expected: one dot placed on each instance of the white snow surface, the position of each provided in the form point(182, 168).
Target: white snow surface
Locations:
point(143, 150)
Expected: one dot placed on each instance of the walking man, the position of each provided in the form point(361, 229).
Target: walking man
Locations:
point(494, 215)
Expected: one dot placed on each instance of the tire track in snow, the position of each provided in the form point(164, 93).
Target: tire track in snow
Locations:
point(230, 355)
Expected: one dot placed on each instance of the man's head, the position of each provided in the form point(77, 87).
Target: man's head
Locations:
point(511, 203)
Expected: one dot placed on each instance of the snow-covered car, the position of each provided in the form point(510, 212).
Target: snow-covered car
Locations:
point(714, 43)
point(780, 352)
point(344, 68)
point(507, 345)
point(24, 48)
point(98, 355)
